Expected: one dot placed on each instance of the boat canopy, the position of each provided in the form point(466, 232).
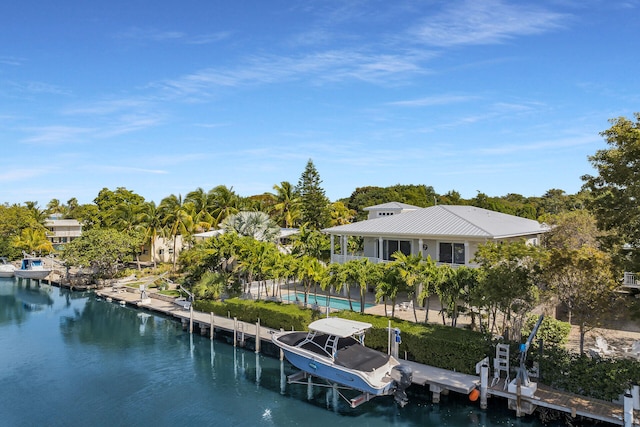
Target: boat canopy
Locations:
point(338, 327)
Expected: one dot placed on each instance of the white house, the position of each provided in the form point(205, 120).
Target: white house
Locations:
point(62, 231)
point(448, 234)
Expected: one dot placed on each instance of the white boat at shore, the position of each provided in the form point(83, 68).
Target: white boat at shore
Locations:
point(333, 350)
point(32, 268)
point(6, 268)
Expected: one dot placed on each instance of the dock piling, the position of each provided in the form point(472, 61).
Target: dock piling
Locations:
point(484, 384)
point(211, 333)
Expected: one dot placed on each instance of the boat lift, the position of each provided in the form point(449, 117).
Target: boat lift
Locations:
point(305, 378)
point(521, 385)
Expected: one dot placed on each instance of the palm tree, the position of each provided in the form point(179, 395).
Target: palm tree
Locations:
point(175, 219)
point(409, 269)
point(257, 225)
point(151, 222)
point(32, 239)
point(201, 204)
point(429, 279)
point(224, 202)
point(389, 286)
point(310, 273)
point(357, 272)
point(287, 207)
point(38, 215)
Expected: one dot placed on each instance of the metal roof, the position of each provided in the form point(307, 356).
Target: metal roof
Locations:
point(444, 221)
point(391, 205)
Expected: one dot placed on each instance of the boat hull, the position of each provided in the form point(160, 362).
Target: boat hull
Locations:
point(32, 274)
point(6, 274)
point(335, 374)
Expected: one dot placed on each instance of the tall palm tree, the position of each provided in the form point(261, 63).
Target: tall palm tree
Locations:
point(149, 219)
point(224, 202)
point(310, 273)
point(201, 204)
point(409, 269)
point(176, 220)
point(287, 207)
point(389, 286)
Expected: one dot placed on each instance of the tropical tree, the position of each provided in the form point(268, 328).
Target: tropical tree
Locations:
point(310, 242)
point(33, 239)
point(224, 202)
point(176, 220)
point(340, 214)
point(583, 281)
point(314, 202)
point(507, 275)
point(150, 220)
point(409, 269)
point(616, 189)
point(286, 204)
point(390, 284)
point(257, 225)
point(310, 273)
point(212, 285)
point(455, 285)
point(103, 250)
point(359, 273)
point(429, 279)
point(201, 207)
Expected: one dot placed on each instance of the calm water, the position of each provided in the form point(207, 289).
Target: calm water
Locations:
point(67, 359)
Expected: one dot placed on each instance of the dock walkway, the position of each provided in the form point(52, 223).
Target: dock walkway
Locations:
point(437, 379)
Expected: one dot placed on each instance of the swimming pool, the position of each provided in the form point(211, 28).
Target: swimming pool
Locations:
point(321, 300)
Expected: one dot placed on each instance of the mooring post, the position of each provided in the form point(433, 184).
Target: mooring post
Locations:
point(628, 409)
point(211, 334)
point(190, 319)
point(635, 394)
point(435, 393)
point(484, 384)
point(281, 352)
point(258, 336)
point(235, 331)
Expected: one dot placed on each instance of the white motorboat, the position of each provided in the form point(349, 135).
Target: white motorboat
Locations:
point(6, 268)
point(333, 350)
point(32, 268)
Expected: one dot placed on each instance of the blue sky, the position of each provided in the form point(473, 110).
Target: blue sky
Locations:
point(162, 97)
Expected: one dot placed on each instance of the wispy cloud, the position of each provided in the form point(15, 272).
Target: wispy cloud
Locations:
point(11, 60)
point(552, 144)
point(486, 22)
point(57, 134)
point(434, 100)
point(11, 175)
point(126, 169)
point(153, 35)
point(332, 65)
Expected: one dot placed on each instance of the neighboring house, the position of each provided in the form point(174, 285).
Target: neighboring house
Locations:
point(163, 249)
point(448, 234)
point(62, 231)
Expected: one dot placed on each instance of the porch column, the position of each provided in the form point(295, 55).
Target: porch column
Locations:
point(343, 248)
point(466, 252)
point(380, 249)
point(332, 243)
point(420, 246)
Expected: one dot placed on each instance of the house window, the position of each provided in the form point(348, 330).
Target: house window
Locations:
point(451, 253)
point(389, 247)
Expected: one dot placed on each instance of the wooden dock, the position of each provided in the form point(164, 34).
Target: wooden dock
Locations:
point(438, 380)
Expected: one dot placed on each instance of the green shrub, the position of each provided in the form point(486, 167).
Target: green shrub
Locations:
point(552, 332)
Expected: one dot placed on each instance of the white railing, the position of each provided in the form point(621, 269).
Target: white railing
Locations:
point(337, 258)
point(629, 279)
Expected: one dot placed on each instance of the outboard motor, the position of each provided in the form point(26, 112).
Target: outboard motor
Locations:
point(402, 376)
